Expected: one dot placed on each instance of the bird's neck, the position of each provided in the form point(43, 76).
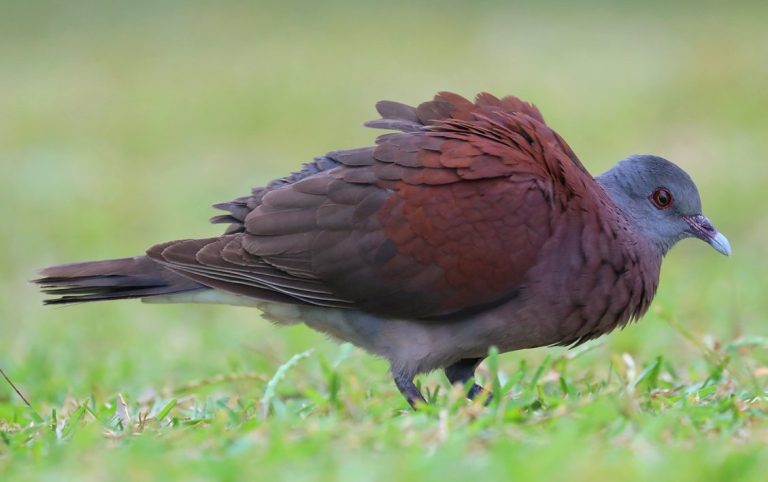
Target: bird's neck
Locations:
point(614, 186)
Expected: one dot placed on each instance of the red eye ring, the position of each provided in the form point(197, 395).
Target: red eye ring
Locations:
point(661, 198)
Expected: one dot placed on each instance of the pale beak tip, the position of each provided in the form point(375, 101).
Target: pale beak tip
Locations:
point(721, 244)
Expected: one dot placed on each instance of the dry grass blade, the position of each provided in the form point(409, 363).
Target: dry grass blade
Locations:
point(37, 416)
point(219, 379)
point(18, 392)
point(122, 413)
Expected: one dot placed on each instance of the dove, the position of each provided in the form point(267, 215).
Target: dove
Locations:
point(470, 225)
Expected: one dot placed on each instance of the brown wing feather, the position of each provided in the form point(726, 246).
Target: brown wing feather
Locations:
point(444, 217)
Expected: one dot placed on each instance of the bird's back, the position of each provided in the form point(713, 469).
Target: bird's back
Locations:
point(443, 218)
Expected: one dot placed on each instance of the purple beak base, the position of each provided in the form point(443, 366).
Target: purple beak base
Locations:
point(702, 228)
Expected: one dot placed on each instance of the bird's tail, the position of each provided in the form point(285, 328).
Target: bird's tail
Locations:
point(112, 279)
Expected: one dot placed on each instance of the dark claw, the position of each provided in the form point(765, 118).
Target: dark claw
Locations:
point(478, 390)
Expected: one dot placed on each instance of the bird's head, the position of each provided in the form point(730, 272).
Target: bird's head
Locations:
point(662, 200)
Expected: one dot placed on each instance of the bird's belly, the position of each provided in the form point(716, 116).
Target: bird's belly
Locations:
point(416, 346)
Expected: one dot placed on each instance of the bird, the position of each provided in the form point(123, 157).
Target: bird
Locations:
point(471, 224)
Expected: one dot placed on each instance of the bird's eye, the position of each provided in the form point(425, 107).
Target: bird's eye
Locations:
point(661, 198)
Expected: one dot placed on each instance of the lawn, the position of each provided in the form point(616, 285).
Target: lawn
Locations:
point(120, 125)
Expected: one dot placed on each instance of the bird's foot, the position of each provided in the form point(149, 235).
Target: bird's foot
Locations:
point(461, 372)
point(409, 390)
point(458, 373)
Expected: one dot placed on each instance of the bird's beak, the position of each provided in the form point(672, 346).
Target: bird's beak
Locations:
point(702, 228)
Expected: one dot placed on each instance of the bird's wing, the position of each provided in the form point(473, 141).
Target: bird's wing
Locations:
point(444, 217)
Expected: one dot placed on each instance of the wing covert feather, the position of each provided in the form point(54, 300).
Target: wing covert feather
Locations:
point(445, 216)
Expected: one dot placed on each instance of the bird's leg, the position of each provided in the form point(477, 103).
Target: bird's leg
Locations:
point(408, 389)
point(462, 371)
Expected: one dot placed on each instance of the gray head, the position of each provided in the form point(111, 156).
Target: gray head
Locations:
point(662, 200)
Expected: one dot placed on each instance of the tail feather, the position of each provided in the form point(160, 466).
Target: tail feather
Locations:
point(113, 279)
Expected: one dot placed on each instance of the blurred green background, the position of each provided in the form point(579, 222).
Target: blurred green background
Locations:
point(120, 123)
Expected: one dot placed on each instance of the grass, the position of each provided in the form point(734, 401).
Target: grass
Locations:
point(120, 125)
point(632, 419)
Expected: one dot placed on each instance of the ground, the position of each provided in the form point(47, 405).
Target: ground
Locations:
point(121, 125)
